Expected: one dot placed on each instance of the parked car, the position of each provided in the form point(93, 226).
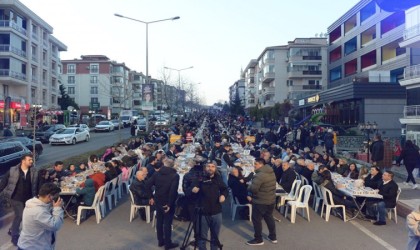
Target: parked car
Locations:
point(10, 154)
point(117, 124)
point(28, 143)
point(161, 122)
point(46, 131)
point(104, 126)
point(82, 126)
point(141, 125)
point(70, 136)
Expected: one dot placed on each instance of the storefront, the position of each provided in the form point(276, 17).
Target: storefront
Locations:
point(13, 114)
point(351, 104)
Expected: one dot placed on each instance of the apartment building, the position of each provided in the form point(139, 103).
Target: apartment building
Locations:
point(30, 65)
point(411, 41)
point(98, 84)
point(365, 65)
point(286, 73)
point(237, 90)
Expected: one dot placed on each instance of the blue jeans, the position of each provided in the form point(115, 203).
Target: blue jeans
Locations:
point(215, 223)
point(224, 174)
point(164, 224)
point(377, 209)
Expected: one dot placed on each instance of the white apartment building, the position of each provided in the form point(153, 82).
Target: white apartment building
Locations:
point(30, 64)
point(237, 90)
point(286, 73)
point(411, 81)
point(98, 84)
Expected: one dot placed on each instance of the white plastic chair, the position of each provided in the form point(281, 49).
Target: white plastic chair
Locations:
point(95, 207)
point(134, 208)
point(300, 202)
point(127, 182)
point(119, 186)
point(329, 203)
point(236, 204)
point(304, 180)
point(102, 202)
point(318, 198)
point(112, 193)
point(394, 208)
point(290, 196)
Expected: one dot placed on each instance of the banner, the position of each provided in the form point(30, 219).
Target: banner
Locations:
point(7, 115)
point(147, 97)
point(174, 138)
point(249, 138)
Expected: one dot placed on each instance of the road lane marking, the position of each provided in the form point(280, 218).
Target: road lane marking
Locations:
point(373, 236)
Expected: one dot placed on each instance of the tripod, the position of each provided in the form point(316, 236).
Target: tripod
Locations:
point(198, 215)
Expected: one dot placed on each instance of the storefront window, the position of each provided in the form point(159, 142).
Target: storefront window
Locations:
point(343, 113)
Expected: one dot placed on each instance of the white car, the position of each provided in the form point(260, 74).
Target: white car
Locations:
point(161, 122)
point(104, 126)
point(82, 126)
point(117, 124)
point(70, 136)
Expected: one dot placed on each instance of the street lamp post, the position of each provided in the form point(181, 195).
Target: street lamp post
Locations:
point(368, 129)
point(147, 49)
point(35, 108)
point(179, 79)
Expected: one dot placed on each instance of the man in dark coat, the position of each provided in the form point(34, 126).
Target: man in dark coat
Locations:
point(263, 190)
point(140, 193)
point(376, 209)
point(288, 177)
point(377, 151)
point(19, 184)
point(165, 180)
point(329, 142)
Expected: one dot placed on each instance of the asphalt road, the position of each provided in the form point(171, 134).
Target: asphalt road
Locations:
point(116, 232)
point(97, 140)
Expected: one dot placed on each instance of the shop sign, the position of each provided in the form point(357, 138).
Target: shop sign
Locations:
point(302, 102)
point(14, 105)
point(313, 99)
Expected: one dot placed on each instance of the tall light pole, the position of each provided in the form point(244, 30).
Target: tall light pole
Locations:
point(179, 77)
point(147, 49)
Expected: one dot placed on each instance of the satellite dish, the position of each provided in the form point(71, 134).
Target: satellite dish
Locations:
point(70, 108)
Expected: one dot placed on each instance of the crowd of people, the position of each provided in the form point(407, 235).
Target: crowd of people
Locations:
point(213, 177)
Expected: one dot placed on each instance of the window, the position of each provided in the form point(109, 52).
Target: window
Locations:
point(70, 80)
point(392, 22)
point(368, 35)
point(71, 68)
point(350, 24)
point(367, 11)
point(335, 74)
point(350, 46)
point(368, 59)
point(136, 102)
point(335, 54)
point(93, 79)
point(94, 90)
point(289, 83)
point(53, 99)
point(350, 67)
point(94, 68)
point(335, 34)
point(94, 100)
point(33, 94)
point(71, 90)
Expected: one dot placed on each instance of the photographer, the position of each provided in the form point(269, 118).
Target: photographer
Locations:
point(39, 224)
point(213, 192)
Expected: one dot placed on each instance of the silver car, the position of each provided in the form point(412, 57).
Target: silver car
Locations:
point(70, 136)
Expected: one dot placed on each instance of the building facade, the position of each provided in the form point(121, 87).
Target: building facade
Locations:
point(410, 119)
point(237, 90)
point(30, 65)
point(98, 84)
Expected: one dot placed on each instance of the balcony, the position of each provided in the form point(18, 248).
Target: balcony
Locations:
point(268, 104)
point(15, 26)
point(411, 37)
point(411, 76)
point(304, 73)
point(35, 36)
point(268, 91)
point(9, 48)
point(411, 115)
point(268, 77)
point(304, 58)
point(13, 74)
point(268, 61)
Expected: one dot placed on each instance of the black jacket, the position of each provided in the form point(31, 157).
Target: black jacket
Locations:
point(166, 182)
point(373, 182)
point(210, 191)
point(287, 179)
point(307, 174)
point(377, 151)
point(196, 174)
point(410, 155)
point(239, 189)
point(141, 195)
point(389, 192)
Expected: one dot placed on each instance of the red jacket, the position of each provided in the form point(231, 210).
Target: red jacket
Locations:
point(98, 180)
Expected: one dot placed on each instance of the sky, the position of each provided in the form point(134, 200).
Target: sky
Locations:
point(217, 37)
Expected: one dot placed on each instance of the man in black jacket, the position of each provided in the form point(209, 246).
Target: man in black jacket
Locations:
point(165, 180)
point(213, 192)
point(141, 195)
point(288, 177)
point(376, 209)
point(377, 151)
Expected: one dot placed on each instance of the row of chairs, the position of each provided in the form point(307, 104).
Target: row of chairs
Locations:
point(108, 194)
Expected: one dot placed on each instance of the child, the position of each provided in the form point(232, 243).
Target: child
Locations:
point(81, 168)
point(72, 170)
point(87, 193)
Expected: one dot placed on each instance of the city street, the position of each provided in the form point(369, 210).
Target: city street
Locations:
point(116, 232)
point(97, 140)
